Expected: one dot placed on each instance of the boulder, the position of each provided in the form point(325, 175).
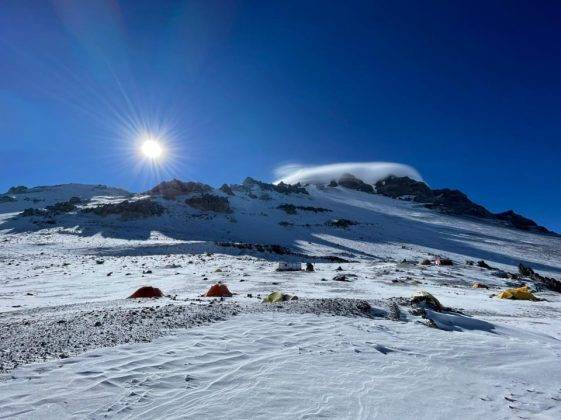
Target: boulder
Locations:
point(483, 264)
point(426, 301)
point(477, 285)
point(344, 277)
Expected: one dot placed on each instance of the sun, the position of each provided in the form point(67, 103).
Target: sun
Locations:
point(152, 149)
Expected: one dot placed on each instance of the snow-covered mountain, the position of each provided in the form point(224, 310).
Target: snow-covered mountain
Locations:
point(70, 254)
point(313, 219)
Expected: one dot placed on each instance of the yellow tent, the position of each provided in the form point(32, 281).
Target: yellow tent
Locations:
point(520, 293)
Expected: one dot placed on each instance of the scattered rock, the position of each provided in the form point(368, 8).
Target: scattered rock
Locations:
point(483, 264)
point(291, 209)
point(443, 261)
point(477, 285)
point(344, 277)
point(341, 223)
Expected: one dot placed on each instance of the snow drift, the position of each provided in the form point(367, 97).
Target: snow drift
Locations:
point(369, 172)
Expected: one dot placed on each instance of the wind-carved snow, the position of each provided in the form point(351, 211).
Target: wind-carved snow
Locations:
point(280, 366)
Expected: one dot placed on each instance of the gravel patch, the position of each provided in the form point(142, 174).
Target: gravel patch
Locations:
point(59, 332)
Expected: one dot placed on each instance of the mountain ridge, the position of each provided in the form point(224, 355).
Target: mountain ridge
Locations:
point(206, 198)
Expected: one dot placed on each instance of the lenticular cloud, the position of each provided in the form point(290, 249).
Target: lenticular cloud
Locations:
point(369, 172)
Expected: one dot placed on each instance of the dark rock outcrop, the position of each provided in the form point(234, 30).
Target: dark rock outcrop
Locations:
point(61, 208)
point(6, 199)
point(340, 223)
point(171, 189)
point(351, 182)
point(226, 189)
point(399, 187)
point(448, 201)
point(282, 188)
point(129, 209)
point(291, 209)
point(56, 209)
point(444, 200)
point(456, 203)
point(17, 190)
point(210, 202)
point(548, 282)
point(520, 222)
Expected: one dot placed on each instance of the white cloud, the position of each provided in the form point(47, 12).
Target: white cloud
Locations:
point(369, 172)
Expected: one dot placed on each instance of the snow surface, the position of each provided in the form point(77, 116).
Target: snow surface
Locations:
point(500, 359)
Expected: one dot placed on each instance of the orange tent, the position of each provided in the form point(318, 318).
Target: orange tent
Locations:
point(218, 290)
point(147, 292)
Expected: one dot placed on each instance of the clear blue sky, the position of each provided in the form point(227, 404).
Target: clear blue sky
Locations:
point(467, 92)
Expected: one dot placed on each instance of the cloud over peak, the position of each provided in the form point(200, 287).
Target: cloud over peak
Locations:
point(369, 172)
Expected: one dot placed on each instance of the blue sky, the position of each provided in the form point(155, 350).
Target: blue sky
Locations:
point(468, 93)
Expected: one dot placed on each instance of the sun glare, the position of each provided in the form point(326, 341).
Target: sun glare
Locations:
point(151, 149)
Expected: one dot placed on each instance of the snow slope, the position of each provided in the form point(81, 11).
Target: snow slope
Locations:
point(500, 359)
